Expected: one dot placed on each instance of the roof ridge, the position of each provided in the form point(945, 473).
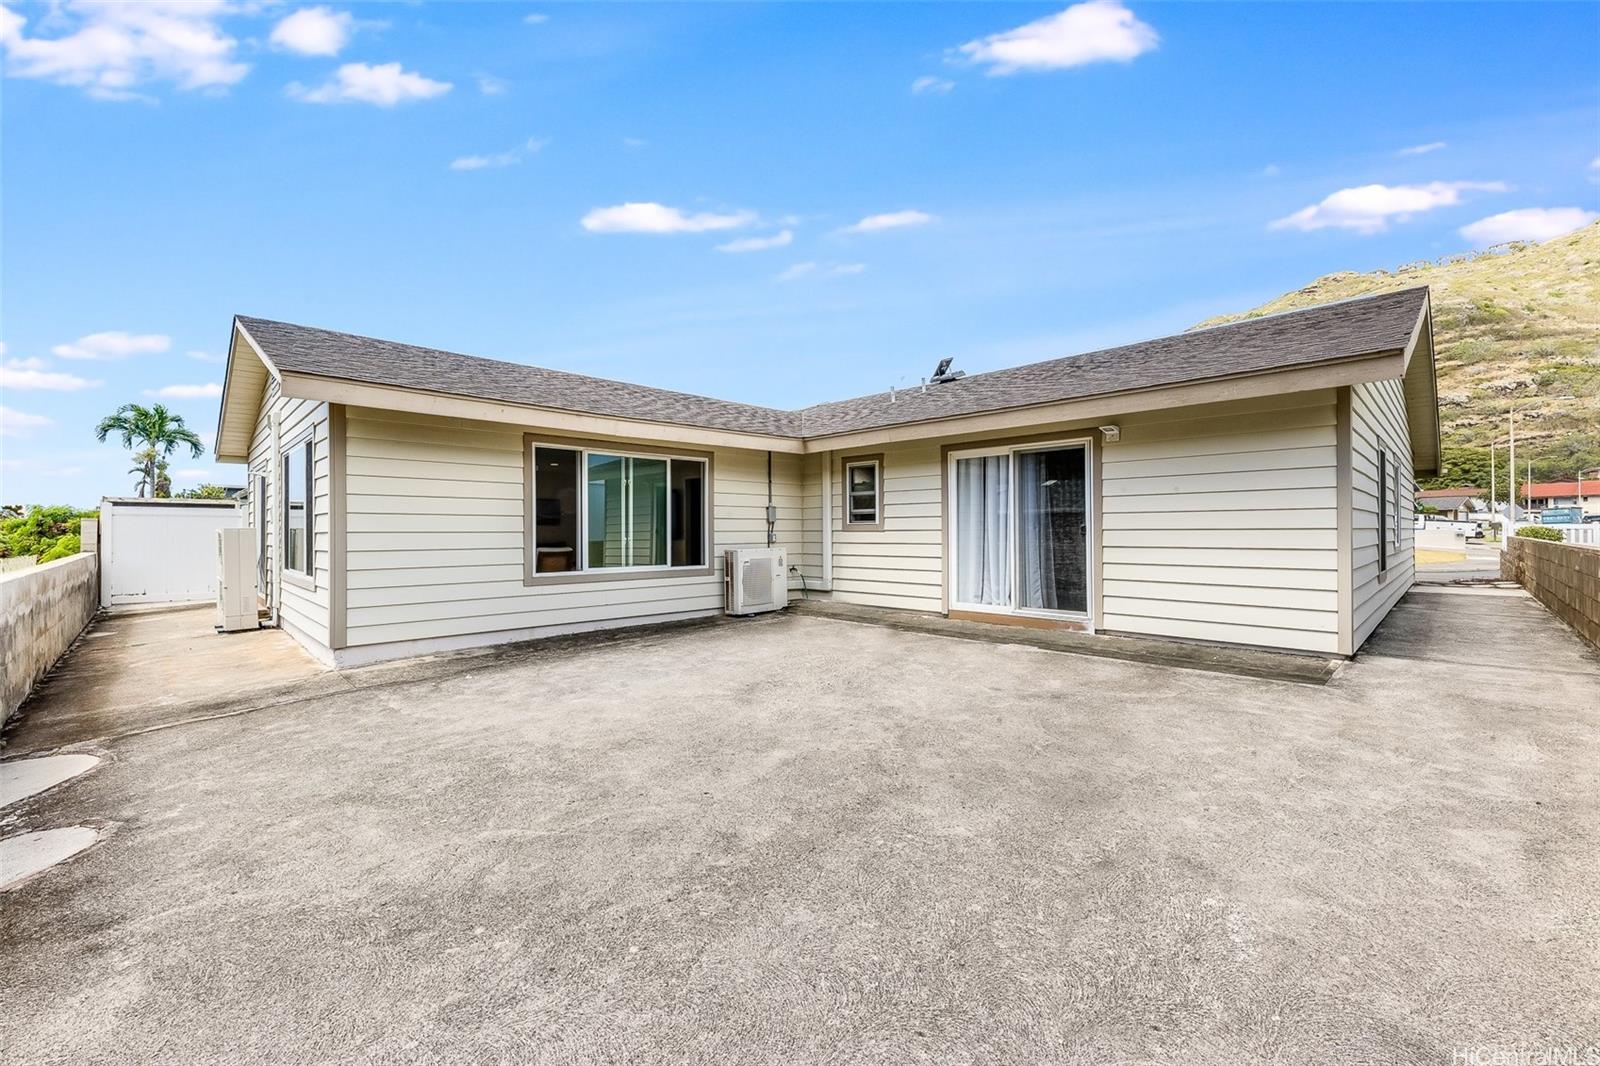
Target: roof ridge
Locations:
point(979, 375)
point(508, 362)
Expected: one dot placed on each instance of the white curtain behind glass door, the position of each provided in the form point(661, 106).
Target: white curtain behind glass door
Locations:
point(983, 530)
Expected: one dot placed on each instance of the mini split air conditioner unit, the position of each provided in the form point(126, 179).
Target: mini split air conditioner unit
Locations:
point(236, 580)
point(756, 580)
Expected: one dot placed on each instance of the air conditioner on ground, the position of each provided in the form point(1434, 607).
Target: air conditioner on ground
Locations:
point(236, 579)
point(756, 580)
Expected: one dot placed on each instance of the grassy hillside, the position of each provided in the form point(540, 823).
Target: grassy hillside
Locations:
point(1518, 327)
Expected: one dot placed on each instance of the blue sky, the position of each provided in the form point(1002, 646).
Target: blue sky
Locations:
point(777, 204)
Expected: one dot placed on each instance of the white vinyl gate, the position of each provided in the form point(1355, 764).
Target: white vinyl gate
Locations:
point(161, 551)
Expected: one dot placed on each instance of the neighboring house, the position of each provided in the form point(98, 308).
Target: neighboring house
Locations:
point(1248, 484)
point(1543, 494)
point(1456, 505)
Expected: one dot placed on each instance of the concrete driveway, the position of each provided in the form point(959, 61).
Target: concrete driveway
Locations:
point(798, 839)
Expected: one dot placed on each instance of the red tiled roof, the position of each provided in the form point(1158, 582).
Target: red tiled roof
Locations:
point(1558, 488)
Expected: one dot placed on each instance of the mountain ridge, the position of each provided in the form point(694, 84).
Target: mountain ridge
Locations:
point(1516, 327)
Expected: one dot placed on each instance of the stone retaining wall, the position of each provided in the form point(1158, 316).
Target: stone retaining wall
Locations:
point(42, 611)
point(1563, 577)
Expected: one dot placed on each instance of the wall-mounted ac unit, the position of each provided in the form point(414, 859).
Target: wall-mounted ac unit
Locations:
point(236, 580)
point(756, 580)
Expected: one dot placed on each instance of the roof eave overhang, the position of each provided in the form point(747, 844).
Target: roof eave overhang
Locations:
point(1372, 366)
point(243, 387)
point(452, 405)
point(1420, 385)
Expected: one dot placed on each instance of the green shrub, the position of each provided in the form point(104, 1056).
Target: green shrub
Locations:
point(70, 544)
point(36, 532)
point(1532, 533)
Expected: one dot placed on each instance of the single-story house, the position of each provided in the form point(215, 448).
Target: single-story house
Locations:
point(1246, 484)
point(1460, 504)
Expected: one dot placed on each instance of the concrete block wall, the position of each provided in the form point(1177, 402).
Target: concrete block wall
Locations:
point(1563, 577)
point(42, 611)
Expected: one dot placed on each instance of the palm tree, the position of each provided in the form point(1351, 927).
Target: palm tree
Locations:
point(160, 432)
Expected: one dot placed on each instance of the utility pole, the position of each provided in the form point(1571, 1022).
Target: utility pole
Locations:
point(1511, 472)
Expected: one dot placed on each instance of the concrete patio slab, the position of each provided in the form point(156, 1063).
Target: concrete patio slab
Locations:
point(139, 668)
point(793, 839)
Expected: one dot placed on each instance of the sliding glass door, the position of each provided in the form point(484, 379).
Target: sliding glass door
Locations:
point(1020, 521)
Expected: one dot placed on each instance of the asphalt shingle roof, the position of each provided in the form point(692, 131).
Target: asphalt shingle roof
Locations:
point(1366, 326)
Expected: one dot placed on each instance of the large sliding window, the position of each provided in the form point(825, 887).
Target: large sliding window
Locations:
point(598, 510)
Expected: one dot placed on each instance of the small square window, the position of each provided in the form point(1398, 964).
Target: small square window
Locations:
point(863, 492)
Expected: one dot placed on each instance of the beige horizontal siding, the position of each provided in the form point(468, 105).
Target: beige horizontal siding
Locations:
point(901, 565)
point(1378, 421)
point(304, 611)
point(1220, 523)
point(435, 536)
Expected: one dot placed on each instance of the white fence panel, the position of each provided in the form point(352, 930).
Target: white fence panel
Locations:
point(1588, 533)
point(161, 551)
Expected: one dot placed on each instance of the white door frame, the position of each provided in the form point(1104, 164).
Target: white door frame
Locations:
point(1011, 451)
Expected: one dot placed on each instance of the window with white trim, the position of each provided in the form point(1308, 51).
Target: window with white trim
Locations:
point(598, 510)
point(863, 487)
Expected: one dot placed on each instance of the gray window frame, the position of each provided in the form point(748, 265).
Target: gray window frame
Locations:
point(589, 575)
point(845, 465)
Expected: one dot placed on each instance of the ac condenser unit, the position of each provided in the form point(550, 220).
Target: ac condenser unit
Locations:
point(756, 580)
point(236, 580)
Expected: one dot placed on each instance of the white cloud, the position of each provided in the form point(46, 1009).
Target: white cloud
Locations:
point(890, 220)
point(658, 218)
point(489, 85)
point(384, 85)
point(1527, 224)
point(110, 50)
point(113, 344)
point(498, 159)
point(634, 142)
point(205, 357)
point(186, 392)
point(1097, 31)
point(536, 18)
point(314, 31)
point(194, 473)
point(26, 374)
point(758, 244)
point(21, 424)
point(1423, 149)
point(1369, 209)
point(1271, 170)
point(930, 84)
point(821, 270)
